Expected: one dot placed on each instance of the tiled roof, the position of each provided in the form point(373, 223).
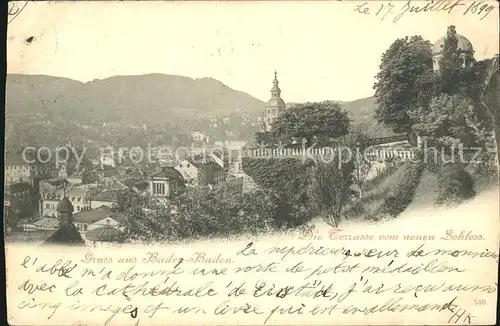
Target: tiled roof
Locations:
point(93, 215)
point(47, 223)
point(201, 165)
point(76, 192)
point(110, 195)
point(105, 233)
point(50, 184)
point(168, 172)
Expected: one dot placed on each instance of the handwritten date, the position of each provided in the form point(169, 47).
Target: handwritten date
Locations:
point(480, 9)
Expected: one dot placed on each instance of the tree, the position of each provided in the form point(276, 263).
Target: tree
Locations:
point(449, 120)
point(490, 99)
point(405, 69)
point(127, 198)
point(356, 142)
point(331, 182)
point(149, 221)
point(264, 138)
point(317, 122)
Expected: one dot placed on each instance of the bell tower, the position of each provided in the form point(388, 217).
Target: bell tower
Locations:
point(275, 105)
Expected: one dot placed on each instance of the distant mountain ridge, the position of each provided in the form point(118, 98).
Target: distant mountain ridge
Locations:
point(137, 99)
point(142, 99)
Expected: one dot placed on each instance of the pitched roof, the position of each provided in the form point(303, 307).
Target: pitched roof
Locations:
point(47, 223)
point(200, 164)
point(49, 184)
point(168, 172)
point(76, 192)
point(141, 186)
point(105, 233)
point(93, 215)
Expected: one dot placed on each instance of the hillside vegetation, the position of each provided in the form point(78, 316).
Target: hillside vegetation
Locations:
point(171, 106)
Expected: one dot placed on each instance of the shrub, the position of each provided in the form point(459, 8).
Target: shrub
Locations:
point(455, 185)
point(402, 194)
point(287, 181)
point(390, 193)
point(203, 213)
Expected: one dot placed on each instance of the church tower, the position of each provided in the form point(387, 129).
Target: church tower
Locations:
point(275, 105)
point(67, 233)
point(65, 211)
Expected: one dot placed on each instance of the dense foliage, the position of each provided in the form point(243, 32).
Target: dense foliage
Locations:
point(455, 185)
point(318, 123)
point(201, 213)
point(399, 197)
point(388, 194)
point(450, 120)
point(405, 66)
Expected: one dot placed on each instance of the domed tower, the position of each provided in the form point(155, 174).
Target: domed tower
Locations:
point(275, 105)
point(65, 211)
point(67, 233)
point(464, 48)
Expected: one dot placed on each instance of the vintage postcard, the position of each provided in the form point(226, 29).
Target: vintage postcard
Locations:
point(252, 163)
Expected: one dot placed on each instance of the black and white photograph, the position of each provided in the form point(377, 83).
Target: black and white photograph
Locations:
point(252, 131)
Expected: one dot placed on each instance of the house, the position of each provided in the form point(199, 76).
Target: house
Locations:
point(26, 168)
point(107, 198)
point(76, 178)
point(197, 173)
point(96, 218)
point(50, 195)
point(166, 183)
point(17, 170)
point(51, 191)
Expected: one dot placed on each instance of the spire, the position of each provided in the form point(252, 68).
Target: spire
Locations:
point(275, 91)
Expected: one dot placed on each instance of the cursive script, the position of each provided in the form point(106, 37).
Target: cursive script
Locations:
point(259, 283)
point(15, 8)
point(395, 10)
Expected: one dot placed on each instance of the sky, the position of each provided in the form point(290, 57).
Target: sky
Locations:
point(321, 50)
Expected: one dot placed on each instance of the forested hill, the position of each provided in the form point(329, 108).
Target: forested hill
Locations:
point(135, 99)
point(179, 104)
